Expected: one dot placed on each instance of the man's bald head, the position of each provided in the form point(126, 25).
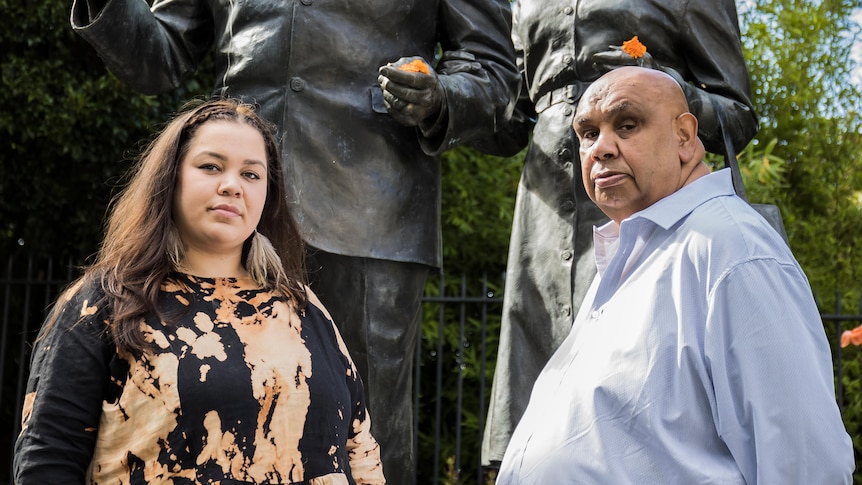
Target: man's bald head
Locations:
point(656, 85)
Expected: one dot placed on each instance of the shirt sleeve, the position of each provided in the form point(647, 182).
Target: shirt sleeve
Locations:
point(771, 370)
point(69, 374)
point(151, 51)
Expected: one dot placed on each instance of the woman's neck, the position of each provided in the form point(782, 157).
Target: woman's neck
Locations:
point(212, 265)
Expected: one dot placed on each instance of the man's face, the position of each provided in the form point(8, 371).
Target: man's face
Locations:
point(628, 145)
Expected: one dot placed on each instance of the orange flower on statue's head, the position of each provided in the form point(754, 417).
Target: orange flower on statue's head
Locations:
point(634, 48)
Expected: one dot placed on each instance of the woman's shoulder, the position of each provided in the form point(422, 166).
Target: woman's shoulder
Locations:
point(315, 302)
point(315, 306)
point(81, 308)
point(83, 297)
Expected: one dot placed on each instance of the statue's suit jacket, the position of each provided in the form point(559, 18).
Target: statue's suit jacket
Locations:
point(360, 183)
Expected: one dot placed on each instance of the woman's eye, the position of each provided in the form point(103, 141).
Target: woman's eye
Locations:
point(209, 167)
point(252, 175)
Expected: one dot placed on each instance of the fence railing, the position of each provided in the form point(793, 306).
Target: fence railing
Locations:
point(455, 358)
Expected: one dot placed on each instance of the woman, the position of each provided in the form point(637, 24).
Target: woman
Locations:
point(191, 351)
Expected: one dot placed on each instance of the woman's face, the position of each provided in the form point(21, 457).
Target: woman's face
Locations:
point(221, 188)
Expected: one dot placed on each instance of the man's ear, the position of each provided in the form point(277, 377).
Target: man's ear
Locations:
point(690, 146)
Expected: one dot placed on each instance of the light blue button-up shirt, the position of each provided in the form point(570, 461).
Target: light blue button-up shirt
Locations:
point(698, 357)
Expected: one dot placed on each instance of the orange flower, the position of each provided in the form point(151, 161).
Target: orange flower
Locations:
point(852, 337)
point(634, 48)
point(417, 65)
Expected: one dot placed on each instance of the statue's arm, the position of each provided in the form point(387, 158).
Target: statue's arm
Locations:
point(510, 137)
point(149, 50)
point(513, 134)
point(478, 73)
point(714, 76)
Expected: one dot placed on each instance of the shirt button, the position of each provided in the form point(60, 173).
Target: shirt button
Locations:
point(567, 255)
point(297, 84)
point(567, 205)
point(569, 10)
point(567, 310)
point(567, 59)
point(567, 111)
point(594, 315)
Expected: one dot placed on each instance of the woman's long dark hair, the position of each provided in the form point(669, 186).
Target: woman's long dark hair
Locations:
point(133, 262)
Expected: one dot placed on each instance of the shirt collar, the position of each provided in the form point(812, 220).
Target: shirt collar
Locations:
point(671, 209)
point(664, 213)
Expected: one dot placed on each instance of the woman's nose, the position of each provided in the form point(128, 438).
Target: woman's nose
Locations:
point(229, 186)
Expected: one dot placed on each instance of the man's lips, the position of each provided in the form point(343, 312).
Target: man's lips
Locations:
point(226, 210)
point(609, 179)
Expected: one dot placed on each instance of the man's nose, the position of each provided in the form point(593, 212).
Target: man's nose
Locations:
point(604, 147)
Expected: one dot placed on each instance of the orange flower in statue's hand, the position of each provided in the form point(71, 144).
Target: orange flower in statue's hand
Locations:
point(417, 65)
point(852, 337)
point(634, 48)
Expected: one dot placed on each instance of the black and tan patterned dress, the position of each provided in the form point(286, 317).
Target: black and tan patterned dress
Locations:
point(243, 388)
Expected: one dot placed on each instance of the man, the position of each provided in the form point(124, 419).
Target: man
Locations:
point(562, 46)
point(359, 140)
point(698, 355)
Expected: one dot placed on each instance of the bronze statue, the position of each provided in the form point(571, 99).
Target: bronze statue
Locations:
point(359, 153)
point(563, 46)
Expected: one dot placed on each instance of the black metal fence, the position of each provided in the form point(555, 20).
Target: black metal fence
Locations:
point(454, 357)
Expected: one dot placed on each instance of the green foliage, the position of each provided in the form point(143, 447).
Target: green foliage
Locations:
point(69, 130)
point(799, 58)
point(478, 205)
point(762, 171)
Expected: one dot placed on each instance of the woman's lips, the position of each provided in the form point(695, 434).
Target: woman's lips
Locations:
point(226, 210)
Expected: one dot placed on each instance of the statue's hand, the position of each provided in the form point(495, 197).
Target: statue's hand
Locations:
point(615, 57)
point(410, 97)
